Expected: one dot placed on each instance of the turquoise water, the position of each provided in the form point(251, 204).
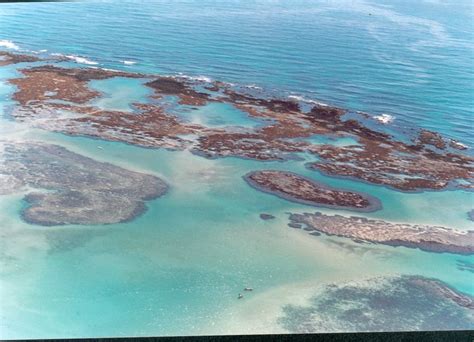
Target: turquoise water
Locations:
point(177, 269)
point(119, 93)
point(336, 141)
point(217, 115)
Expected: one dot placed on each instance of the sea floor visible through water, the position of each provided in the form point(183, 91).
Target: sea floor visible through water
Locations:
point(178, 268)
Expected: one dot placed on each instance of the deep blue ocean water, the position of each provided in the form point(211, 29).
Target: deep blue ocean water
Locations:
point(177, 269)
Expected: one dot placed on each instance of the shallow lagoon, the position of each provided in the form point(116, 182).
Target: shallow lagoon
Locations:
point(185, 260)
point(178, 268)
point(217, 114)
point(119, 93)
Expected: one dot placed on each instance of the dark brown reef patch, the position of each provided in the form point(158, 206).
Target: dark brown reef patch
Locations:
point(296, 188)
point(377, 158)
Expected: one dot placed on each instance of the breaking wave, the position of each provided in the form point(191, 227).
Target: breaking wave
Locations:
point(303, 99)
point(9, 45)
point(384, 118)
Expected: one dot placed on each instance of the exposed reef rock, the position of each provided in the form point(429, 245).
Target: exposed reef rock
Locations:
point(431, 138)
point(7, 58)
point(186, 94)
point(327, 112)
point(82, 74)
point(248, 145)
point(153, 127)
point(296, 188)
point(427, 238)
point(56, 98)
point(396, 165)
point(401, 303)
point(49, 82)
point(66, 188)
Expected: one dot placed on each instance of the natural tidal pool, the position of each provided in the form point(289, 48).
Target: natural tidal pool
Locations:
point(219, 115)
point(119, 93)
point(127, 206)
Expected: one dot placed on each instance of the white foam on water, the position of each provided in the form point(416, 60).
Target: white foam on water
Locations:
point(459, 144)
point(303, 99)
point(77, 59)
point(81, 60)
point(38, 52)
point(129, 62)
point(203, 79)
point(384, 118)
point(199, 78)
point(253, 86)
point(106, 69)
point(9, 45)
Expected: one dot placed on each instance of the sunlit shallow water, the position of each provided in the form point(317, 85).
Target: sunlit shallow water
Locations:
point(178, 268)
point(119, 93)
point(184, 261)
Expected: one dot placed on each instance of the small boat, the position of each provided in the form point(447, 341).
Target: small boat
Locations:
point(248, 289)
point(100, 147)
point(240, 296)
